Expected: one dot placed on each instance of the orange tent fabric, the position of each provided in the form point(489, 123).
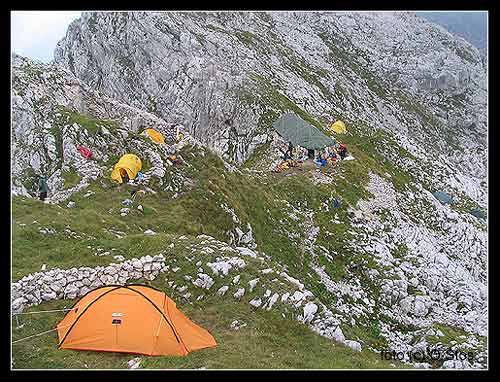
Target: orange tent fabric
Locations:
point(131, 319)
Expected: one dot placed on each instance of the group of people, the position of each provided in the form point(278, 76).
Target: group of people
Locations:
point(293, 154)
point(332, 154)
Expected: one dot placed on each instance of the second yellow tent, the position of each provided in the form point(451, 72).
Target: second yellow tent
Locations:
point(338, 127)
point(155, 136)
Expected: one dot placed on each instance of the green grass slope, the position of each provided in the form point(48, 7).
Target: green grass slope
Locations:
point(70, 237)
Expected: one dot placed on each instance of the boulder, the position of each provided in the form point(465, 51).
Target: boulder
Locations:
point(48, 296)
point(272, 301)
point(222, 290)
point(252, 284)
point(338, 335)
point(204, 281)
point(70, 291)
point(420, 308)
point(256, 302)
point(239, 293)
point(236, 325)
point(297, 296)
point(310, 310)
point(354, 345)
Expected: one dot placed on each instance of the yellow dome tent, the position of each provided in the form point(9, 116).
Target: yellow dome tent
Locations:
point(129, 164)
point(338, 127)
point(155, 136)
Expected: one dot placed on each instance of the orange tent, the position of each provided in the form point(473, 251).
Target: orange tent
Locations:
point(131, 319)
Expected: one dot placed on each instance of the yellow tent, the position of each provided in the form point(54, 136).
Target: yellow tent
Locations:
point(155, 135)
point(338, 127)
point(129, 164)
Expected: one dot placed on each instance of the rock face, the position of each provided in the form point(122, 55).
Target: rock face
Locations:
point(226, 76)
point(53, 113)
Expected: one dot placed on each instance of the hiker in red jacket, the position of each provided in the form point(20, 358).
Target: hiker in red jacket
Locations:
point(342, 151)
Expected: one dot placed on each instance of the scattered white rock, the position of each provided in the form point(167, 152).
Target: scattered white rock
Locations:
point(246, 252)
point(292, 280)
point(222, 290)
point(237, 325)
point(310, 310)
point(134, 363)
point(256, 302)
point(272, 301)
point(252, 284)
point(338, 335)
point(239, 293)
point(285, 296)
point(354, 345)
point(204, 281)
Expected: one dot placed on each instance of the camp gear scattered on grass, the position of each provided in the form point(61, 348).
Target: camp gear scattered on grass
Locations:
point(86, 153)
point(285, 165)
point(174, 160)
point(300, 133)
point(131, 319)
point(320, 162)
point(127, 167)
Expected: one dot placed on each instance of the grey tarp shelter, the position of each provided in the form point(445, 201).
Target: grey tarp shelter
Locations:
point(294, 129)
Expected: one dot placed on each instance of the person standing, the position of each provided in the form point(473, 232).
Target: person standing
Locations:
point(42, 188)
point(342, 151)
point(290, 149)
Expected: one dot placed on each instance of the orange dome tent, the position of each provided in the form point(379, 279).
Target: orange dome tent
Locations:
point(131, 319)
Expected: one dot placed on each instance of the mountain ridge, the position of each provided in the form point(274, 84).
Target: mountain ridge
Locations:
point(393, 267)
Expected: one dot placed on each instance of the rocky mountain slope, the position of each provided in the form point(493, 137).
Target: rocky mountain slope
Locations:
point(226, 76)
point(472, 26)
point(391, 269)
